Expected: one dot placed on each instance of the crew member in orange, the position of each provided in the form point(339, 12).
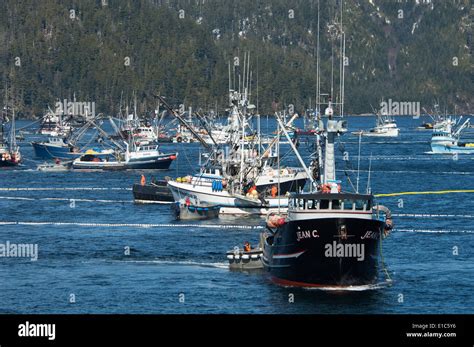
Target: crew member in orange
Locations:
point(274, 191)
point(247, 246)
point(143, 180)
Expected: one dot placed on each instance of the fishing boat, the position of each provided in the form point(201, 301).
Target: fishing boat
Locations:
point(56, 147)
point(385, 127)
point(330, 238)
point(154, 192)
point(446, 139)
point(426, 126)
point(9, 150)
point(232, 170)
point(140, 157)
point(53, 125)
point(94, 162)
point(148, 157)
point(67, 147)
point(213, 187)
point(145, 134)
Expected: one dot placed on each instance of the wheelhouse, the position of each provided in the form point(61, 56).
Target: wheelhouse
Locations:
point(344, 202)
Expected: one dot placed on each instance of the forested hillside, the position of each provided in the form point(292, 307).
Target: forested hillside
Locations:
point(107, 51)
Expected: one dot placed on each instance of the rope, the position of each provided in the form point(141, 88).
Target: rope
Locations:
point(426, 192)
point(384, 268)
point(65, 199)
point(30, 124)
point(62, 188)
point(347, 166)
point(135, 225)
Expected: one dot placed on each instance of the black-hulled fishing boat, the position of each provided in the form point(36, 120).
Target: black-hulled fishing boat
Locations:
point(329, 238)
point(156, 191)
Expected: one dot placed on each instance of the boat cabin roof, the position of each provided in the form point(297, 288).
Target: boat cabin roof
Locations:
point(332, 196)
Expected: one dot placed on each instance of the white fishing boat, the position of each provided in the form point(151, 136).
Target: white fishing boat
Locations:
point(53, 125)
point(446, 139)
point(385, 127)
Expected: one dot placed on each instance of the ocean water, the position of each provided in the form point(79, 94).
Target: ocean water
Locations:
point(84, 222)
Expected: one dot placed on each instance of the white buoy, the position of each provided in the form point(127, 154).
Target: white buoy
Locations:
point(245, 256)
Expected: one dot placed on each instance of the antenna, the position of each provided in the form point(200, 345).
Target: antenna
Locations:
point(278, 162)
point(368, 190)
point(230, 79)
point(332, 70)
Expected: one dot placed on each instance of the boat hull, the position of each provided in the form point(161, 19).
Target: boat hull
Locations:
point(382, 133)
point(306, 253)
point(8, 163)
point(184, 212)
point(159, 162)
point(441, 148)
point(46, 151)
point(229, 204)
point(151, 193)
point(91, 166)
point(241, 260)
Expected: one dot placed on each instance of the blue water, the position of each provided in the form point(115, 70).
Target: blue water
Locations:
point(169, 258)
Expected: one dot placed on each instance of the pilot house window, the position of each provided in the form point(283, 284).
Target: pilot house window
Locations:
point(324, 204)
point(359, 205)
point(336, 204)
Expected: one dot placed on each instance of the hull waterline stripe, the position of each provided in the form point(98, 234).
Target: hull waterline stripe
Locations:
point(288, 283)
point(286, 256)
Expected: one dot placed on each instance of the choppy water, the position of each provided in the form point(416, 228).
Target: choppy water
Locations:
point(81, 245)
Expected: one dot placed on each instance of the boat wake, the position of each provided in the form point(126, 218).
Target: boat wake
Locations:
point(179, 262)
point(361, 288)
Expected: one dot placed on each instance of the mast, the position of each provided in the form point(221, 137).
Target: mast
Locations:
point(318, 77)
point(12, 132)
point(333, 127)
point(329, 162)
